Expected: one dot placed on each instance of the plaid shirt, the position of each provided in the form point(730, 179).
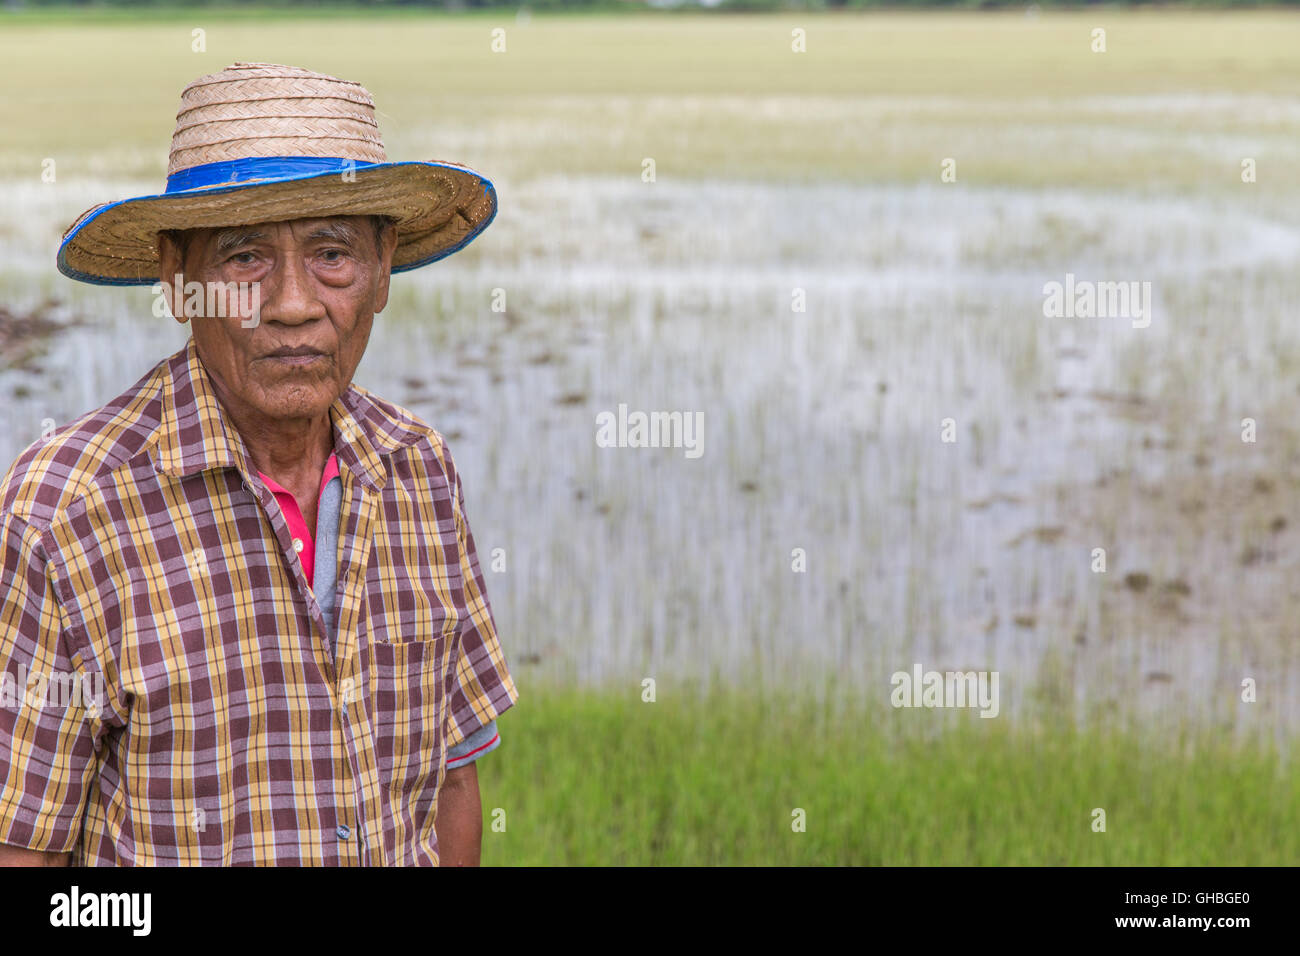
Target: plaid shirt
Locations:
point(177, 701)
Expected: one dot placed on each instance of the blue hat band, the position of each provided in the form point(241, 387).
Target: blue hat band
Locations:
point(235, 171)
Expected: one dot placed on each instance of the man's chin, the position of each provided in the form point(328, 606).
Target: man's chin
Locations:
point(288, 400)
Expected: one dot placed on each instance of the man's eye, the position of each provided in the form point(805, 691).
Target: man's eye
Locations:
point(242, 258)
point(333, 255)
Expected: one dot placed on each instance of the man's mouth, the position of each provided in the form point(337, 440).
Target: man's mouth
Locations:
point(298, 355)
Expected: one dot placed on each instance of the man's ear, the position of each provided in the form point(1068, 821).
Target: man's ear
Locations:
point(171, 267)
point(386, 249)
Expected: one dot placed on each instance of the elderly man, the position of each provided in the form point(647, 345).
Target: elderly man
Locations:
point(246, 588)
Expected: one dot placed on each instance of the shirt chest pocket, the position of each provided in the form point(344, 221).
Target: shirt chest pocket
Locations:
point(407, 696)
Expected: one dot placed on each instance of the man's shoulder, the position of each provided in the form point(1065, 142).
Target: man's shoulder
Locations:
point(395, 428)
point(60, 467)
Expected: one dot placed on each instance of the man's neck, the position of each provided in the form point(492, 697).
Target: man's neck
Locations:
point(289, 447)
point(291, 451)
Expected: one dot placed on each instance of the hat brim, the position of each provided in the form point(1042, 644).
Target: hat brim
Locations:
point(438, 209)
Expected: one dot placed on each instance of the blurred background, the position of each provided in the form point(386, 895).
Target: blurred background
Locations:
point(827, 229)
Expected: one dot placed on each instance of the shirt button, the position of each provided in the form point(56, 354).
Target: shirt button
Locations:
point(297, 545)
point(343, 833)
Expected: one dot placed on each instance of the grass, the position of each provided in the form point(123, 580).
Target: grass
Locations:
point(602, 778)
point(876, 98)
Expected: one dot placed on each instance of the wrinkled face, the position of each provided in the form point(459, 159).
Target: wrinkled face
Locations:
point(284, 340)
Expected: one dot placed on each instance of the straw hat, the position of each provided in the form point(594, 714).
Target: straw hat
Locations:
point(260, 142)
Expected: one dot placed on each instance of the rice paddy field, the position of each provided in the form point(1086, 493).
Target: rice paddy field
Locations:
point(840, 262)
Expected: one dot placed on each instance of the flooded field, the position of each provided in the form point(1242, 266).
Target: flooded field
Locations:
point(884, 401)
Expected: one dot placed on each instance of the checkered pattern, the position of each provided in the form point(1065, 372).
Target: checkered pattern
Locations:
point(142, 559)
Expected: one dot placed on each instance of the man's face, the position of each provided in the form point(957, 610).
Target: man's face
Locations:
point(319, 284)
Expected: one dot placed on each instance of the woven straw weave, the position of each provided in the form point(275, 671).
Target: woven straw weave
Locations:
point(263, 110)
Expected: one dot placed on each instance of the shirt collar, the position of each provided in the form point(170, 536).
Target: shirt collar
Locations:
point(196, 434)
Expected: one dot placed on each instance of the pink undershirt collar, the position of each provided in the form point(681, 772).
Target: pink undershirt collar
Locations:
point(297, 523)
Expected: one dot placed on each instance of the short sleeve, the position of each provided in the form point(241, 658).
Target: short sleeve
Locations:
point(481, 686)
point(482, 741)
point(51, 700)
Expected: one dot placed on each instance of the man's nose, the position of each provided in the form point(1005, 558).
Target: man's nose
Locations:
point(291, 298)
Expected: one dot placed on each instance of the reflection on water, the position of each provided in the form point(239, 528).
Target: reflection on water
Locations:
point(824, 433)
